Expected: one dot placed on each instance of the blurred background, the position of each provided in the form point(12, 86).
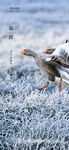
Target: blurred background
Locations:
point(31, 119)
point(37, 25)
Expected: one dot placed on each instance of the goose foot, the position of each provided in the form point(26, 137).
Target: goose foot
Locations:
point(59, 86)
point(40, 88)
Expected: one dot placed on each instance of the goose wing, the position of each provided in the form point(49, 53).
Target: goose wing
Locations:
point(61, 55)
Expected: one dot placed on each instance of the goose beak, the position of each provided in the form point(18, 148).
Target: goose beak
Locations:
point(22, 52)
point(44, 52)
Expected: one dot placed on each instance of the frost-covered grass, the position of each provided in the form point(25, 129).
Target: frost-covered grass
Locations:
point(32, 119)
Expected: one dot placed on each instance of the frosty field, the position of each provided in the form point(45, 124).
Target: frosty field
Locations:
point(32, 119)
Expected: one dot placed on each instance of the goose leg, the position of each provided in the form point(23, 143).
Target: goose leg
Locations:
point(59, 86)
point(40, 88)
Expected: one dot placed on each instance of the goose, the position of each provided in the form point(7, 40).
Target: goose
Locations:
point(50, 67)
point(61, 56)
